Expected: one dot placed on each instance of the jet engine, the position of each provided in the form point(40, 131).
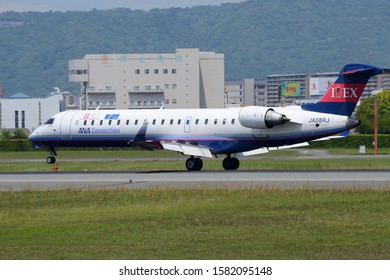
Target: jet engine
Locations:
point(260, 117)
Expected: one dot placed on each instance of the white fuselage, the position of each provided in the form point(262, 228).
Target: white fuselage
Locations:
point(219, 130)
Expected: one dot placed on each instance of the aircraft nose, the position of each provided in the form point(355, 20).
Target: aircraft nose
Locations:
point(33, 135)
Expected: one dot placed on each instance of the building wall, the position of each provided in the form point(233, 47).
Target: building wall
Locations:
point(35, 111)
point(245, 92)
point(187, 78)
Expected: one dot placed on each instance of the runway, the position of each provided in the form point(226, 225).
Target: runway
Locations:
point(312, 179)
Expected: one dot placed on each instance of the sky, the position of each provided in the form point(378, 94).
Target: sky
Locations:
point(86, 5)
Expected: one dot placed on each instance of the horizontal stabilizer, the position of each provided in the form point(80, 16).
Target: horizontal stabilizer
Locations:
point(187, 149)
point(340, 135)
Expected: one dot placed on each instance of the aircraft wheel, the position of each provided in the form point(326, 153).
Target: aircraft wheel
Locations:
point(50, 160)
point(194, 164)
point(231, 163)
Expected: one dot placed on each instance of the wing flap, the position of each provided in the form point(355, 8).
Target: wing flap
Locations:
point(187, 149)
point(266, 150)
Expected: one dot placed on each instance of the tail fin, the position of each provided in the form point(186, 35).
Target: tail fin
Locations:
point(342, 97)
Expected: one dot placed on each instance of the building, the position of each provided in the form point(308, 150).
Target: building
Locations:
point(283, 90)
point(187, 78)
point(245, 92)
point(22, 111)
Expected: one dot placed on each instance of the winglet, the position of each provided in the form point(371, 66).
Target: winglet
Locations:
point(140, 137)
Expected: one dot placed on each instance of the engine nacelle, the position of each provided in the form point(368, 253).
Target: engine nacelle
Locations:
point(260, 117)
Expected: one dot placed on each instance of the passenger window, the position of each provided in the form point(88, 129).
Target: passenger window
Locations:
point(171, 122)
point(188, 121)
point(118, 122)
point(136, 122)
point(127, 122)
point(101, 122)
point(154, 122)
point(233, 121)
point(92, 122)
point(224, 121)
point(197, 121)
point(85, 122)
point(179, 121)
point(206, 121)
point(162, 121)
point(215, 121)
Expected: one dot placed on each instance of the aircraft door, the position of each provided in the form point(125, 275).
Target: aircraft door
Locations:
point(187, 125)
point(66, 125)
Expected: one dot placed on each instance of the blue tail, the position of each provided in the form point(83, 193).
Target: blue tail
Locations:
point(342, 97)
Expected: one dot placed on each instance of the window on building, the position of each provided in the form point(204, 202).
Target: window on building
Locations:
point(23, 119)
point(146, 71)
point(155, 71)
point(166, 86)
point(174, 71)
point(174, 86)
point(165, 71)
point(137, 71)
point(174, 101)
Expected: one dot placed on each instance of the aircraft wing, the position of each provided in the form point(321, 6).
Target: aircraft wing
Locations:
point(187, 148)
point(266, 150)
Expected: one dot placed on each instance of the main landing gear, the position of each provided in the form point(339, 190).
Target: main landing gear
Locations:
point(196, 164)
point(51, 159)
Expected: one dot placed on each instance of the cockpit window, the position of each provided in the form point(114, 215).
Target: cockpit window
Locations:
point(50, 121)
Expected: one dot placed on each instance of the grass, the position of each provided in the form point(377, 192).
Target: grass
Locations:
point(135, 160)
point(195, 224)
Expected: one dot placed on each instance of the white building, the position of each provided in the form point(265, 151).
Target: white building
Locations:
point(187, 78)
point(245, 92)
point(22, 111)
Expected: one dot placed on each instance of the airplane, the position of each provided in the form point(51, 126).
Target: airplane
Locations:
point(207, 133)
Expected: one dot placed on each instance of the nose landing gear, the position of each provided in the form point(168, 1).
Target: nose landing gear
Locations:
point(51, 159)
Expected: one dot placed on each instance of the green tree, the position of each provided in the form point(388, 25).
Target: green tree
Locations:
point(365, 113)
point(21, 133)
point(5, 134)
